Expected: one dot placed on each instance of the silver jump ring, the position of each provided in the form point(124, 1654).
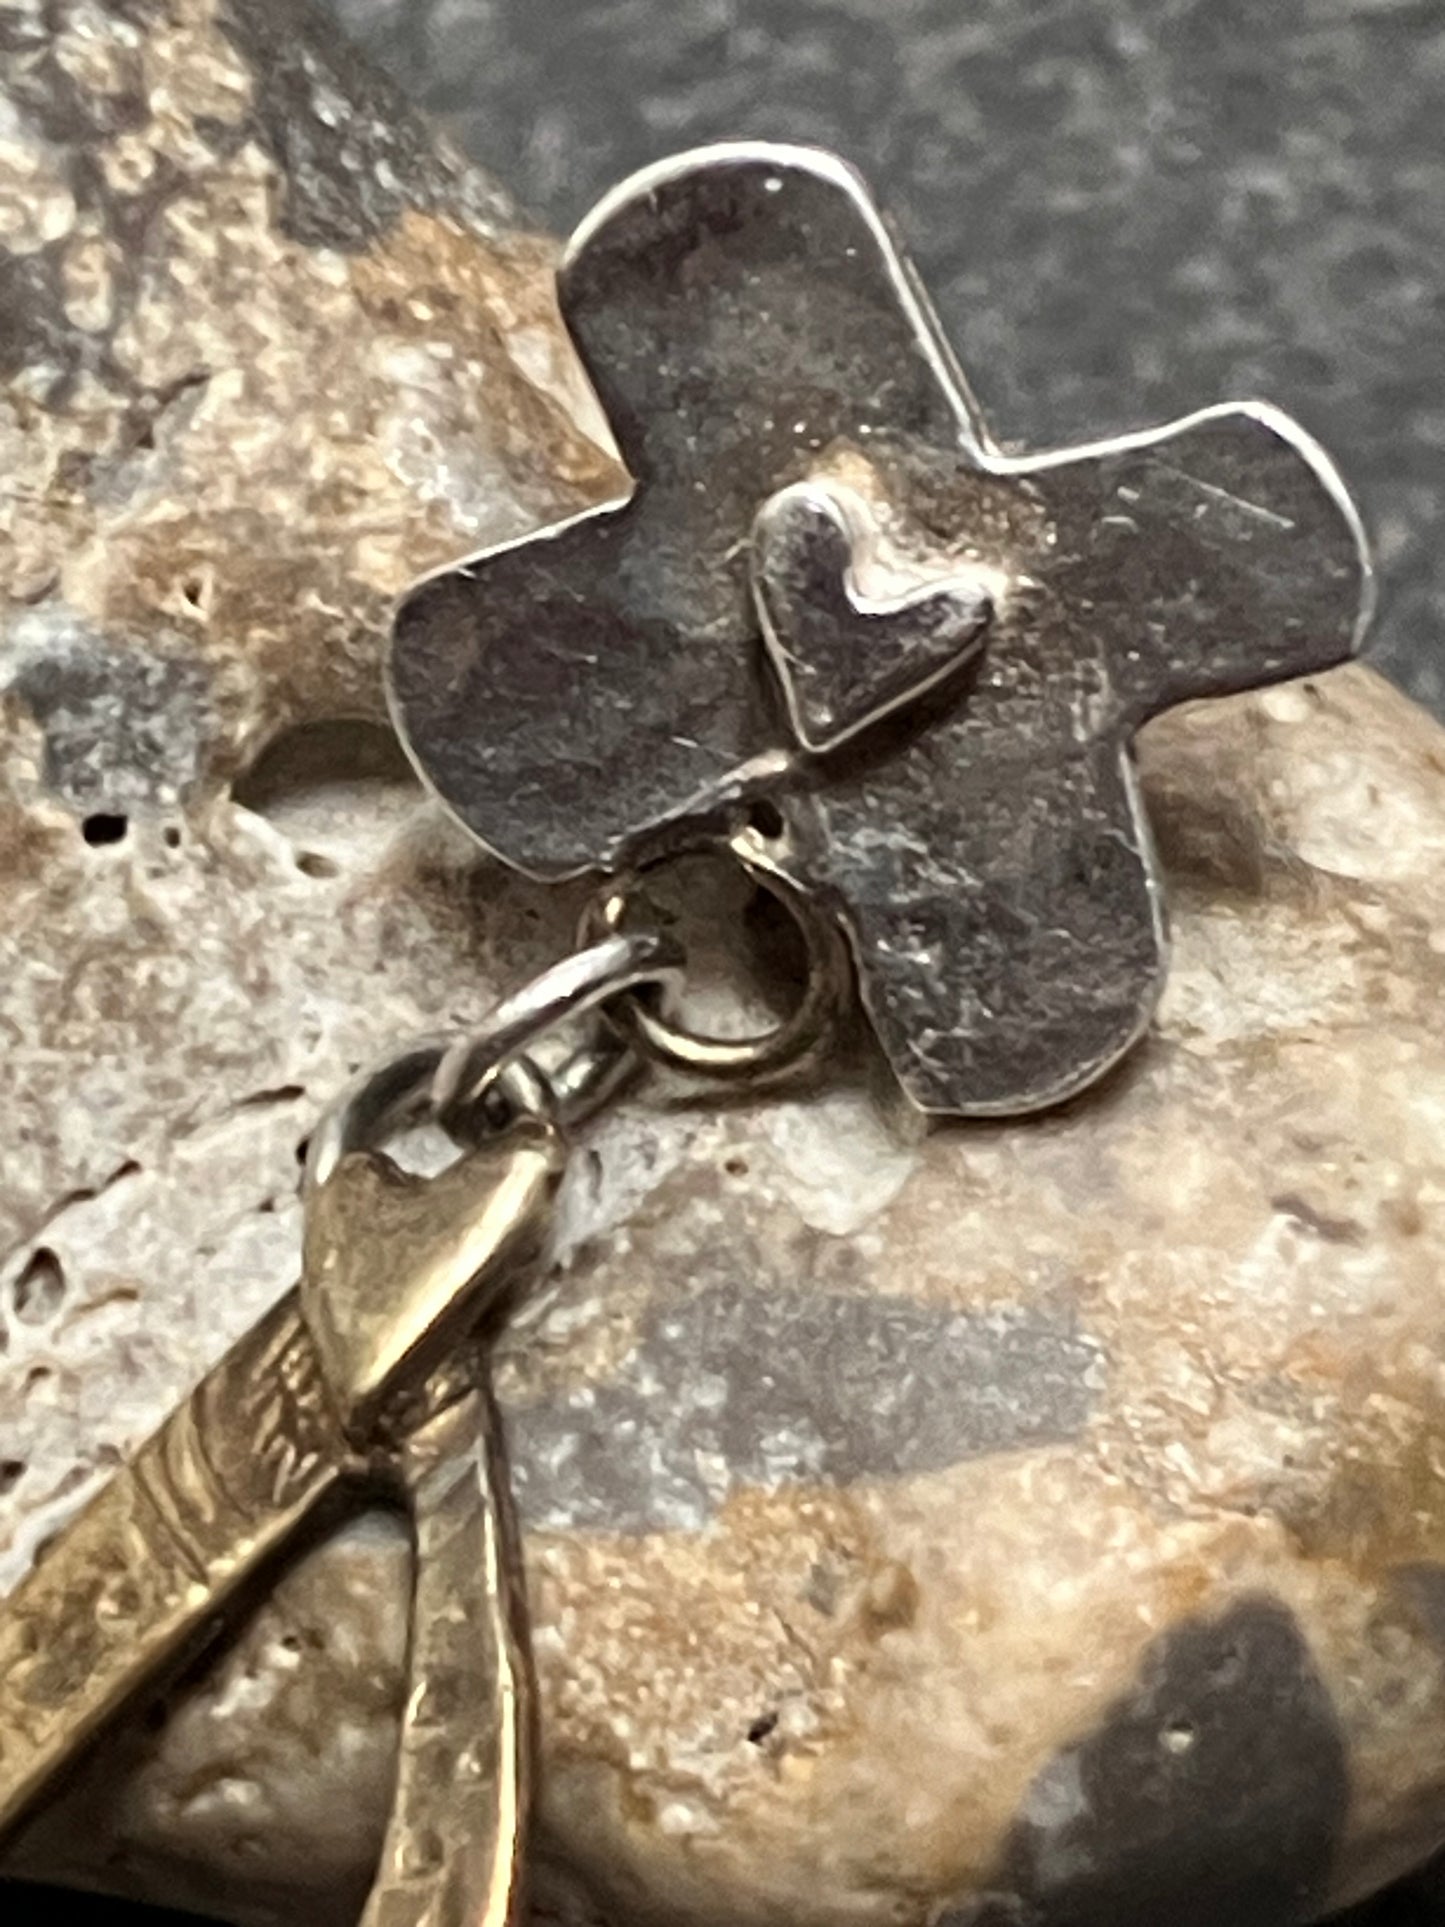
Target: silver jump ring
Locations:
point(389, 1096)
point(577, 984)
point(793, 1046)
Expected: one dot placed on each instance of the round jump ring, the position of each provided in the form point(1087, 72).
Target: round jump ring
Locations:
point(396, 1093)
point(794, 1044)
point(593, 976)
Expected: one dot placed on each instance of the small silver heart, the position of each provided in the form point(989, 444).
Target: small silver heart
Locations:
point(846, 659)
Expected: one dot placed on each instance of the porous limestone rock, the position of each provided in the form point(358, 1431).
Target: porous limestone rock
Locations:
point(1038, 1524)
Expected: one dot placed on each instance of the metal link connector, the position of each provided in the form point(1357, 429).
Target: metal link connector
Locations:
point(792, 1048)
point(591, 978)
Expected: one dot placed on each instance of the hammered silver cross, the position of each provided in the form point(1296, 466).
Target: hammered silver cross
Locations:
point(833, 603)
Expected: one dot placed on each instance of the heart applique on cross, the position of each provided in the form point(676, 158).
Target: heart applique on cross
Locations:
point(833, 607)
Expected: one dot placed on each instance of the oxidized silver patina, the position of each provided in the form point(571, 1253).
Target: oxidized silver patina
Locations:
point(832, 592)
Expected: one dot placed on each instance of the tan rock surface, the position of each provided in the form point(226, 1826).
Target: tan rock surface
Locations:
point(1036, 1523)
point(869, 1478)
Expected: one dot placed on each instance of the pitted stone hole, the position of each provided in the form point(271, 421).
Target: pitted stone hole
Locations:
point(762, 1728)
point(12, 1471)
point(104, 826)
point(275, 1096)
point(338, 791)
point(595, 1172)
point(38, 1292)
point(312, 863)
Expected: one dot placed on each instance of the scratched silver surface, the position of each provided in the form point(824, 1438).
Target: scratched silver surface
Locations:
point(601, 691)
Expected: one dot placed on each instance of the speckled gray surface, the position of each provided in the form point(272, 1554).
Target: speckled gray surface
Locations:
point(1123, 207)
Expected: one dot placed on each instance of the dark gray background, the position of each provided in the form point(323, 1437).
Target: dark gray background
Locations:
point(1124, 208)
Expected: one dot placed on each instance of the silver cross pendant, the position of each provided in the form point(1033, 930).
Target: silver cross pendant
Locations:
point(838, 626)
